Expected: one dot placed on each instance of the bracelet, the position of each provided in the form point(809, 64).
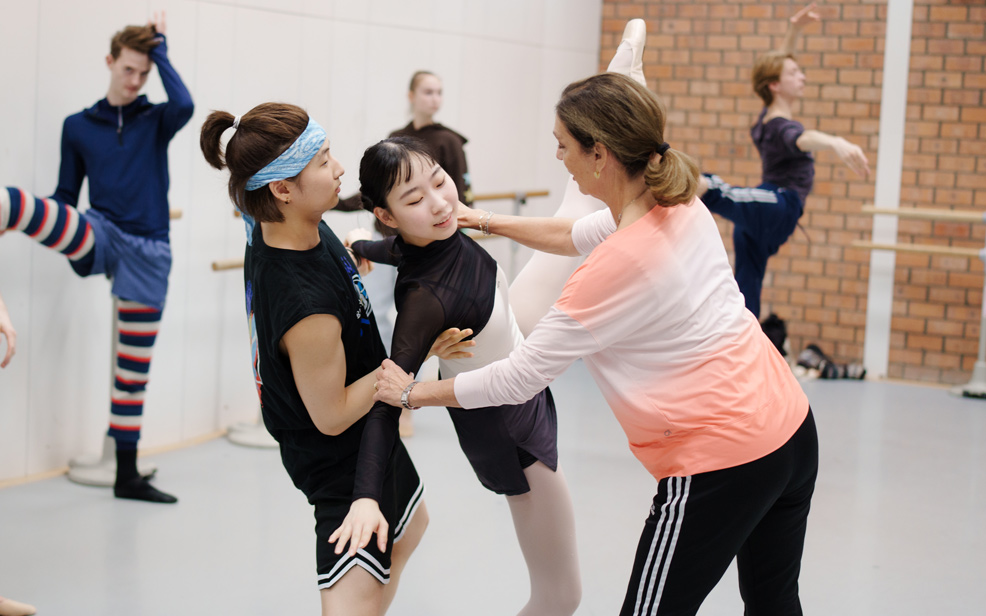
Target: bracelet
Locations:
point(484, 223)
point(406, 397)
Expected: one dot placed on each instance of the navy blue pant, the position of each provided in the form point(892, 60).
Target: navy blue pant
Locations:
point(763, 218)
point(756, 512)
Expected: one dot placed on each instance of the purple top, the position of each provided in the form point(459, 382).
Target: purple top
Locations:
point(783, 163)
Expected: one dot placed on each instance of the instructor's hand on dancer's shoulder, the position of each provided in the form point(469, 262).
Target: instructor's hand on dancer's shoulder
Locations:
point(450, 344)
point(469, 217)
point(364, 519)
point(391, 381)
point(806, 16)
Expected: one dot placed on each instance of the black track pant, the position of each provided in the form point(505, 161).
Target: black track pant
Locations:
point(756, 512)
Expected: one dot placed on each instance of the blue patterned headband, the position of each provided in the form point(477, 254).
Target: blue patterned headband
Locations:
point(292, 160)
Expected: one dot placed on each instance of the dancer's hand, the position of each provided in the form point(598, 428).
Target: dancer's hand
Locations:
point(356, 235)
point(852, 155)
point(391, 381)
point(158, 23)
point(469, 217)
point(450, 345)
point(363, 266)
point(806, 16)
point(7, 331)
point(364, 519)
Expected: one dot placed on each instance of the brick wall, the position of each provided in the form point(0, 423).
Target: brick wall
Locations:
point(698, 59)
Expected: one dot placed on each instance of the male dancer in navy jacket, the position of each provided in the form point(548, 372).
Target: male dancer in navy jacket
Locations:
point(121, 145)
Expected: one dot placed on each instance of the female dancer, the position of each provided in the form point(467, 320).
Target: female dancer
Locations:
point(315, 342)
point(446, 280)
point(9, 607)
point(443, 143)
point(709, 406)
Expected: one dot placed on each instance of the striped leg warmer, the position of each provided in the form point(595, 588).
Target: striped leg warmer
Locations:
point(135, 330)
point(55, 225)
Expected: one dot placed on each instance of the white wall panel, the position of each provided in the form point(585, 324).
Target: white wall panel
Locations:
point(573, 25)
point(18, 63)
point(349, 11)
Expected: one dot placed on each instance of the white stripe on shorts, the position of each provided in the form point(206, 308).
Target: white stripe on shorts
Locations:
point(364, 560)
point(412, 506)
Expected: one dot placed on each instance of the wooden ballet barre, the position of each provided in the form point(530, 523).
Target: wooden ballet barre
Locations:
point(512, 195)
point(928, 249)
point(928, 214)
point(175, 214)
point(227, 264)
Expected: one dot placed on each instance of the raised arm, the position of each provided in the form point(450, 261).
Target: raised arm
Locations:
point(179, 108)
point(850, 153)
point(553, 235)
point(798, 22)
point(378, 251)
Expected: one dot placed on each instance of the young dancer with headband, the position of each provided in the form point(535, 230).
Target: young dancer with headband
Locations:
point(708, 405)
point(445, 279)
point(315, 342)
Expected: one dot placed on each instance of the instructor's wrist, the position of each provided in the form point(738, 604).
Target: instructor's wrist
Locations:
point(406, 397)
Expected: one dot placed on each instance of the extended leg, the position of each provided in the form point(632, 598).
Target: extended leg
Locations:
point(545, 526)
point(539, 283)
point(52, 224)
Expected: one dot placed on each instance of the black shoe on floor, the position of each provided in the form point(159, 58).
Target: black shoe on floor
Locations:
point(139, 488)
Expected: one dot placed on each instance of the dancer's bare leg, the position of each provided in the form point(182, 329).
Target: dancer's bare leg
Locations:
point(545, 526)
point(357, 593)
point(402, 552)
point(539, 283)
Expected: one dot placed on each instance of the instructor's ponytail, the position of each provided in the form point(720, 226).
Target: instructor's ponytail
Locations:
point(672, 177)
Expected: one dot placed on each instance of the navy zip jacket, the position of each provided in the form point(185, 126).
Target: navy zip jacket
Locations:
point(124, 151)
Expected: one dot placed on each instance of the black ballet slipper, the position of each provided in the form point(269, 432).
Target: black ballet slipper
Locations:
point(139, 488)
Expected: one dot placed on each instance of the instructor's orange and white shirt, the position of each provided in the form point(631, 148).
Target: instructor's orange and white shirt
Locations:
point(661, 324)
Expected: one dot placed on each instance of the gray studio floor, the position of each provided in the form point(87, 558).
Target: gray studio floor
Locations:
point(898, 525)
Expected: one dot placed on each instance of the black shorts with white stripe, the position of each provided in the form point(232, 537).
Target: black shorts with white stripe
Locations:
point(402, 493)
point(756, 512)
